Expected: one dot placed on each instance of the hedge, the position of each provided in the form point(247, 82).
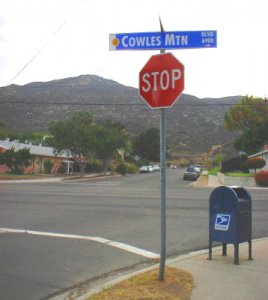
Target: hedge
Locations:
point(261, 178)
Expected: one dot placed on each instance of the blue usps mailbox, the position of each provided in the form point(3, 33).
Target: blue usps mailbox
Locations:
point(230, 219)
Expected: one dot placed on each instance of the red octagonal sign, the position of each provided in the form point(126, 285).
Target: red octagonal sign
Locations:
point(161, 80)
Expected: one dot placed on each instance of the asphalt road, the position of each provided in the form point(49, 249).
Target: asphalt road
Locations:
point(83, 229)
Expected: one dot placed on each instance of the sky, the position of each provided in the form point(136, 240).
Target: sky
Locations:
point(43, 40)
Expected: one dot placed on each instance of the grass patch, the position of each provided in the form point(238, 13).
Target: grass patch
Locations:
point(214, 171)
point(236, 174)
point(8, 176)
point(178, 285)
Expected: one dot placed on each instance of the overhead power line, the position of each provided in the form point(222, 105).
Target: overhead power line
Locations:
point(45, 44)
point(122, 104)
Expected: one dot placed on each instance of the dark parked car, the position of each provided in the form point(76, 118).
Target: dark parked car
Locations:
point(190, 173)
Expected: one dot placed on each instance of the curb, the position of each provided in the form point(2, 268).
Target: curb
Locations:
point(87, 289)
point(58, 179)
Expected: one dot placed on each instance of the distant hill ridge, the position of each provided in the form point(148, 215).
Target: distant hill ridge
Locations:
point(193, 125)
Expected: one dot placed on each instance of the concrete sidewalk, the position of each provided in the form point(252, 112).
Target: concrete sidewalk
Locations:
point(207, 181)
point(59, 178)
point(220, 279)
point(216, 279)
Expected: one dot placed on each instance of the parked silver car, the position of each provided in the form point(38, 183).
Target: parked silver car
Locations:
point(190, 173)
point(198, 168)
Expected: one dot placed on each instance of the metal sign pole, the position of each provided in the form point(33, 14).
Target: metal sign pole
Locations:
point(163, 193)
point(163, 185)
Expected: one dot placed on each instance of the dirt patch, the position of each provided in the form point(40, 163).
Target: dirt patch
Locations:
point(177, 284)
point(202, 181)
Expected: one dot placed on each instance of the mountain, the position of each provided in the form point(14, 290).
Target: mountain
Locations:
point(192, 125)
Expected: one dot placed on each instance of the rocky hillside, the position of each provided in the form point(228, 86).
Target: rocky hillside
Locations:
point(193, 125)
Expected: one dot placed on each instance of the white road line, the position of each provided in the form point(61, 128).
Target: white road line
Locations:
point(101, 240)
point(93, 183)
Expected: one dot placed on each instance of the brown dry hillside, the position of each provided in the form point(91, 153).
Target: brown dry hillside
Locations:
point(193, 124)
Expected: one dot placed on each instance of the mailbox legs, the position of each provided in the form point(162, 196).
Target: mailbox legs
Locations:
point(224, 249)
point(210, 251)
point(250, 250)
point(236, 253)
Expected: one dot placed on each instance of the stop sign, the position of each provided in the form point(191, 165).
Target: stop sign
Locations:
point(161, 80)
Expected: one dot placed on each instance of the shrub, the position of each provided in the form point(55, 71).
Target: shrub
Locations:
point(16, 172)
point(261, 178)
point(122, 168)
point(235, 164)
point(213, 171)
point(48, 165)
point(94, 166)
point(255, 163)
point(62, 169)
point(132, 168)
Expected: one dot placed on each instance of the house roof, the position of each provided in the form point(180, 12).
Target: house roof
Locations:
point(34, 149)
point(259, 153)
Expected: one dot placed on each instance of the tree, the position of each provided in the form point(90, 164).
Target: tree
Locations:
point(36, 137)
point(250, 118)
point(16, 160)
point(235, 164)
point(253, 139)
point(147, 145)
point(48, 165)
point(248, 113)
point(109, 138)
point(218, 159)
point(255, 163)
point(75, 134)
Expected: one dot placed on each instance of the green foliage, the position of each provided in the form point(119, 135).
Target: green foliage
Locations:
point(261, 178)
point(75, 134)
point(235, 164)
point(250, 117)
point(147, 145)
point(48, 165)
point(94, 165)
point(214, 171)
point(124, 168)
point(218, 159)
point(132, 168)
point(255, 163)
point(85, 139)
point(249, 112)
point(16, 160)
point(238, 174)
point(109, 138)
point(35, 137)
point(253, 139)
point(62, 169)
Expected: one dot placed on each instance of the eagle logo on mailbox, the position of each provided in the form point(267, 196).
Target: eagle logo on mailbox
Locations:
point(222, 222)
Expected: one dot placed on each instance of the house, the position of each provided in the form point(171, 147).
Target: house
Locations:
point(262, 154)
point(40, 155)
